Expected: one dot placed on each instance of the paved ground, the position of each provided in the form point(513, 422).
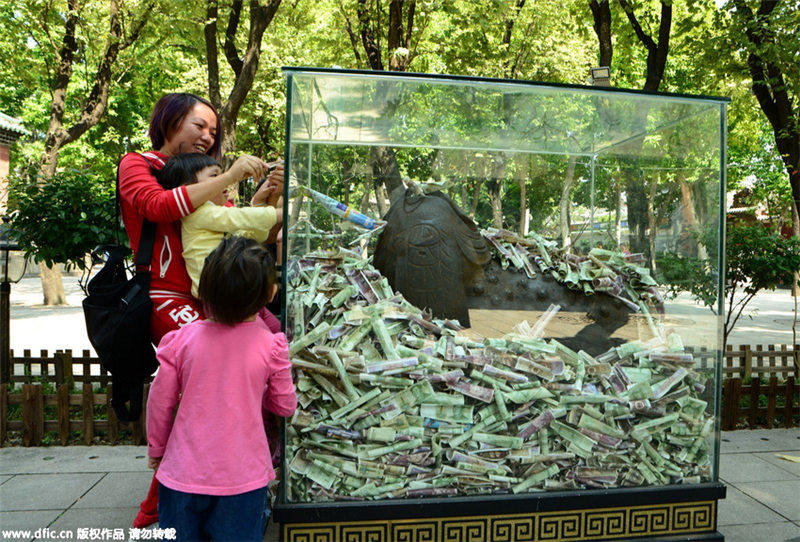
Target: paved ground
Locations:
point(79, 487)
point(71, 488)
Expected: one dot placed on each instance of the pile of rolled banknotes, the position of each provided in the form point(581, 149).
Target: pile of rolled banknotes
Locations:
point(610, 272)
point(396, 404)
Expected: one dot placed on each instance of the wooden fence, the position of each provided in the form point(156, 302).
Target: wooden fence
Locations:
point(56, 398)
point(749, 361)
point(734, 393)
point(70, 404)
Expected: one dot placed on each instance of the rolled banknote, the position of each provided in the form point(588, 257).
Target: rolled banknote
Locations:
point(339, 209)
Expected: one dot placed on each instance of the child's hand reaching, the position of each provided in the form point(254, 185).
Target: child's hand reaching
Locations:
point(153, 462)
point(270, 190)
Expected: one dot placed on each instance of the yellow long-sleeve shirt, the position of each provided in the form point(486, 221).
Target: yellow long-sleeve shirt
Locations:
point(203, 230)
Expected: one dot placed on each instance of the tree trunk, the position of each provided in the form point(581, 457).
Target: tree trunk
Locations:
point(617, 212)
point(656, 63)
point(381, 199)
point(769, 87)
point(91, 109)
point(52, 285)
point(689, 215)
point(399, 51)
point(495, 188)
point(523, 208)
point(601, 13)
point(365, 205)
point(637, 214)
point(564, 206)
point(652, 226)
point(384, 167)
point(476, 197)
point(495, 198)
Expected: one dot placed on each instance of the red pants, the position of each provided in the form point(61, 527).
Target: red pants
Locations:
point(172, 311)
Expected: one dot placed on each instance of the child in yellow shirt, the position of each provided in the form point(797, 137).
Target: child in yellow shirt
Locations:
point(202, 230)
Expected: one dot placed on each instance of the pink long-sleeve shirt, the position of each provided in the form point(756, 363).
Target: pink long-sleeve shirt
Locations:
point(224, 376)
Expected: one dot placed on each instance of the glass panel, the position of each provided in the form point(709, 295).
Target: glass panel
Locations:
point(522, 320)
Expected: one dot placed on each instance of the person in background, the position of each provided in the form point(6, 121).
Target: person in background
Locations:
point(225, 370)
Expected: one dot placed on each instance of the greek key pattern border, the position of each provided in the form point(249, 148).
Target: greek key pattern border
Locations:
point(569, 525)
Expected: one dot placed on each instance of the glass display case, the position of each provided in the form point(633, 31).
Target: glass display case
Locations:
point(486, 293)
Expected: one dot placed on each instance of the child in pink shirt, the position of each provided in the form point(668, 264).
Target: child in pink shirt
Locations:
point(213, 461)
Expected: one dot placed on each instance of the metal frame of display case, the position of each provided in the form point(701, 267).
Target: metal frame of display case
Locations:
point(662, 513)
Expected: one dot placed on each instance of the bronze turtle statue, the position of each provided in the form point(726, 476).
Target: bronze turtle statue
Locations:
point(434, 254)
point(430, 251)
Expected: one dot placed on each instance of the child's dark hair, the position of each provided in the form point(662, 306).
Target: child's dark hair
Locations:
point(182, 169)
point(236, 281)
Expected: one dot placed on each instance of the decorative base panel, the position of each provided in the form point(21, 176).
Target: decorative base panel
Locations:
point(396, 522)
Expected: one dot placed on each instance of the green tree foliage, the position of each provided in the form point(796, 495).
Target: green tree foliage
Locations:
point(63, 220)
point(765, 34)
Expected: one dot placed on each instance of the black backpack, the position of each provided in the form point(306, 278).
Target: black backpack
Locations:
point(117, 312)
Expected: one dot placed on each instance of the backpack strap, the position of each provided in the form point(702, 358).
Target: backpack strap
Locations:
point(146, 241)
point(117, 213)
point(147, 236)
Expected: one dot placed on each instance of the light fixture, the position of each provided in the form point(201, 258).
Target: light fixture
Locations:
point(601, 76)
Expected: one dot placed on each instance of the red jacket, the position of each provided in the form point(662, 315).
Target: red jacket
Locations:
point(142, 197)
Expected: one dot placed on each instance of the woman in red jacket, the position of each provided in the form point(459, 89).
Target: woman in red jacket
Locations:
point(179, 123)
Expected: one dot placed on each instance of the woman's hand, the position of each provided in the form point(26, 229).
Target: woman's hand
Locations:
point(153, 462)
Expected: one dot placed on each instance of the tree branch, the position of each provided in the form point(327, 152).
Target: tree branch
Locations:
point(371, 47)
point(662, 49)
point(656, 53)
point(260, 18)
point(349, 28)
point(644, 38)
point(769, 88)
point(231, 54)
point(212, 55)
point(98, 97)
point(46, 27)
point(410, 24)
point(742, 303)
point(510, 68)
point(509, 23)
point(263, 126)
point(138, 26)
point(97, 101)
point(395, 33)
point(63, 73)
point(398, 36)
point(415, 44)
